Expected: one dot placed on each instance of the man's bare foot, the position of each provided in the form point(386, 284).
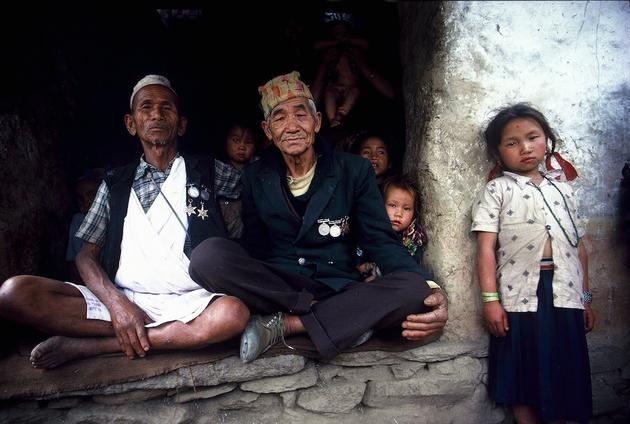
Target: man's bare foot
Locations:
point(57, 350)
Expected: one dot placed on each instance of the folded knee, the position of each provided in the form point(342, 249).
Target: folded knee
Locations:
point(232, 312)
point(14, 289)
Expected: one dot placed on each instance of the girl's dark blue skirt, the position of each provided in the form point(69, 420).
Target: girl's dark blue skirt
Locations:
point(543, 361)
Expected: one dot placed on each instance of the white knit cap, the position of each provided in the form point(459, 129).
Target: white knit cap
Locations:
point(150, 80)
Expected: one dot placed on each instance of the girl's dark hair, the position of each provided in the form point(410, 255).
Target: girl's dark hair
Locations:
point(403, 182)
point(492, 134)
point(362, 137)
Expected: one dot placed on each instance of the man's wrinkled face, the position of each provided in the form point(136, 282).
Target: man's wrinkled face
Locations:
point(292, 127)
point(155, 118)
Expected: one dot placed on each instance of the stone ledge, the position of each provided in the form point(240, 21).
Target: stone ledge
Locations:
point(282, 389)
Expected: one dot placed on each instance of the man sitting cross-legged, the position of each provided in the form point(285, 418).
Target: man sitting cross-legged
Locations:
point(144, 222)
point(305, 209)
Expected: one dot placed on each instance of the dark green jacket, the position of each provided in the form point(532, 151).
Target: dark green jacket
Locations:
point(344, 186)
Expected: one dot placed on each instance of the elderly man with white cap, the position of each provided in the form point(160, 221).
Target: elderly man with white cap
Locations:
point(139, 233)
point(305, 210)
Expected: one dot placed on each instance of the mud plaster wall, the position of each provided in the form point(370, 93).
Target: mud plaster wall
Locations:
point(570, 59)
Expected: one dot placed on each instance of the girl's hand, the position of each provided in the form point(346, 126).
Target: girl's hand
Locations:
point(496, 318)
point(589, 318)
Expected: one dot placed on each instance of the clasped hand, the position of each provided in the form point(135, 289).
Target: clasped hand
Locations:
point(128, 321)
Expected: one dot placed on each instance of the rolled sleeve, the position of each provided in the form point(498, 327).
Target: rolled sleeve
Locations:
point(94, 226)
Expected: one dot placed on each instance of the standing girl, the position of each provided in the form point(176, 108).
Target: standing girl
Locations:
point(530, 249)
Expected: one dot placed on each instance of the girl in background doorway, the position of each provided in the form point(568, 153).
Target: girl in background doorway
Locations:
point(374, 148)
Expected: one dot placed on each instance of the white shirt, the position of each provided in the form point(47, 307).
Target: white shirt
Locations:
point(153, 269)
point(513, 207)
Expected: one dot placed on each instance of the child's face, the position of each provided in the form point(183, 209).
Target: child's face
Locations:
point(240, 145)
point(399, 204)
point(522, 147)
point(86, 192)
point(375, 151)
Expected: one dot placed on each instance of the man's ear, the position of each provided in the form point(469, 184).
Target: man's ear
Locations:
point(318, 122)
point(267, 130)
point(182, 125)
point(130, 124)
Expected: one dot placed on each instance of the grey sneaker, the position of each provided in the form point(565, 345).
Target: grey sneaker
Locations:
point(260, 334)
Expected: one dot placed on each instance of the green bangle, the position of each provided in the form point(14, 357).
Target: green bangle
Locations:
point(489, 296)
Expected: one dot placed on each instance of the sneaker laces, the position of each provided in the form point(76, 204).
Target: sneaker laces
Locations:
point(276, 327)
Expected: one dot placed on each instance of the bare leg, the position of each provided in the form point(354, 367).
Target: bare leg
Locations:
point(59, 349)
point(524, 414)
point(51, 306)
point(292, 325)
point(349, 100)
point(330, 104)
point(223, 319)
point(58, 308)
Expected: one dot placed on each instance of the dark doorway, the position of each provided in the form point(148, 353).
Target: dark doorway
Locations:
point(87, 60)
point(69, 72)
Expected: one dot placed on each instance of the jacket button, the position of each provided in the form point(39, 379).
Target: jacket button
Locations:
point(301, 261)
point(548, 227)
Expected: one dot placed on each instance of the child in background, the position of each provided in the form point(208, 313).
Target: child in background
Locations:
point(401, 203)
point(338, 72)
point(240, 145)
point(373, 148)
point(85, 190)
point(344, 71)
point(533, 275)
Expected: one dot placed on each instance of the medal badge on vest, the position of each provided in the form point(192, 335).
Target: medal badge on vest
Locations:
point(197, 195)
point(333, 227)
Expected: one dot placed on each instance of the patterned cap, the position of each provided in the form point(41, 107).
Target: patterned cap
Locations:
point(280, 89)
point(150, 80)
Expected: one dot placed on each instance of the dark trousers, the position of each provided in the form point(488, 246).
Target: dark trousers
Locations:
point(335, 320)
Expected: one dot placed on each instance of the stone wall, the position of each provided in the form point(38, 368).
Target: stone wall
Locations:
point(436, 383)
point(570, 59)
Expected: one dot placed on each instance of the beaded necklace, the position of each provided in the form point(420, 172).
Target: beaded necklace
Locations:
point(566, 206)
